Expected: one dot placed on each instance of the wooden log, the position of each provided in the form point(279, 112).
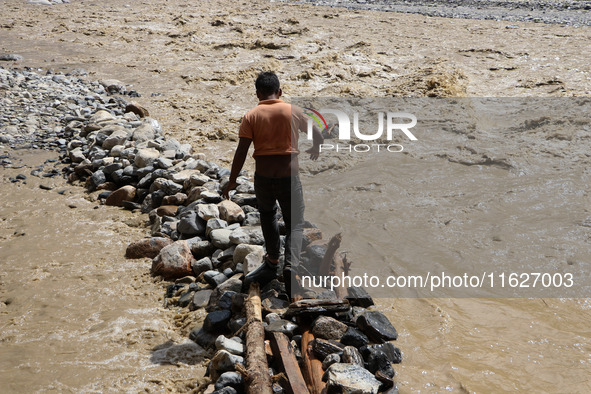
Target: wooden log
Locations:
point(312, 366)
point(285, 356)
point(258, 379)
point(333, 246)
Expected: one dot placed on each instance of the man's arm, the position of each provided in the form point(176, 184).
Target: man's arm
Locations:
point(237, 163)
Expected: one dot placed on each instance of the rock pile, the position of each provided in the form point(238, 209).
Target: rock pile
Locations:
point(202, 243)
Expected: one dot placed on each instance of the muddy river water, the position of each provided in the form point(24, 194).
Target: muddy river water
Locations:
point(75, 316)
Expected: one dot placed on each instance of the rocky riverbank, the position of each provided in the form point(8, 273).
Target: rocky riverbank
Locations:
point(563, 12)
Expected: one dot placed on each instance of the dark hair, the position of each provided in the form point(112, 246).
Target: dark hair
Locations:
point(267, 83)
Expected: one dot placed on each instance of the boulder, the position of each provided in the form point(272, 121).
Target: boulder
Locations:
point(350, 378)
point(326, 327)
point(229, 345)
point(190, 224)
point(143, 132)
point(214, 224)
point(101, 116)
point(125, 193)
point(376, 326)
point(147, 247)
point(175, 199)
point(145, 157)
point(202, 265)
point(220, 238)
point(208, 211)
point(242, 250)
point(217, 321)
point(167, 210)
point(117, 137)
point(247, 235)
point(173, 261)
point(231, 212)
point(201, 298)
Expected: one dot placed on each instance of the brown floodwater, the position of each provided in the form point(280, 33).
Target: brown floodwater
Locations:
point(76, 316)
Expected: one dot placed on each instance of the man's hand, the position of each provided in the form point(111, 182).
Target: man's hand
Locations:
point(230, 186)
point(314, 152)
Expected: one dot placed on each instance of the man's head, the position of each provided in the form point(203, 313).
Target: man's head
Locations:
point(267, 84)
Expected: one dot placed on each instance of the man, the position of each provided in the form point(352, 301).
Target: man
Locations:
point(273, 126)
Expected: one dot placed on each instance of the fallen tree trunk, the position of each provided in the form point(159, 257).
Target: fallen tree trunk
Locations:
point(258, 380)
point(312, 366)
point(284, 354)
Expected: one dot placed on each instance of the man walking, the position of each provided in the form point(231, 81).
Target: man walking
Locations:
point(273, 126)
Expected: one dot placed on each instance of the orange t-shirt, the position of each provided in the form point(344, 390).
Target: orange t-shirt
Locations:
point(269, 126)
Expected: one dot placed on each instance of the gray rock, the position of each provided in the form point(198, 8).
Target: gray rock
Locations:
point(201, 298)
point(211, 196)
point(145, 157)
point(284, 326)
point(223, 361)
point(203, 338)
point(232, 284)
point(118, 137)
point(191, 224)
point(183, 176)
point(198, 179)
point(242, 250)
point(223, 343)
point(330, 360)
point(214, 224)
point(163, 162)
point(185, 299)
point(143, 132)
point(76, 155)
point(392, 352)
point(201, 266)
point(252, 219)
point(202, 249)
point(230, 379)
point(326, 327)
point(220, 238)
point(350, 378)
point(247, 235)
point(214, 278)
point(354, 337)
point(208, 211)
point(13, 57)
point(323, 348)
point(167, 186)
point(376, 326)
point(98, 178)
point(217, 321)
point(244, 199)
point(358, 296)
point(252, 261)
point(101, 116)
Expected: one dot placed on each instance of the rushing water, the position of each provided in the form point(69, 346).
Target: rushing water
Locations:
point(513, 197)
